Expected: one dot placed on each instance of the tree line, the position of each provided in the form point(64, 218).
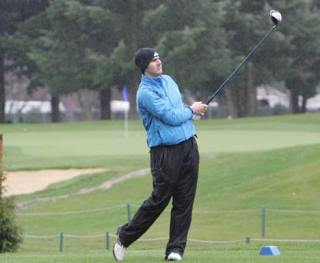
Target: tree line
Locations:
point(69, 45)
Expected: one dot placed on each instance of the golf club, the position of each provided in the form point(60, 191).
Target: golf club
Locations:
point(276, 18)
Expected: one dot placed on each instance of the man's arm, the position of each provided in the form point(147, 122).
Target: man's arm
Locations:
point(162, 109)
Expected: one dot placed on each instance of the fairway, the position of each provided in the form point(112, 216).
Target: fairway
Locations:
point(246, 165)
point(67, 145)
point(112, 143)
point(242, 140)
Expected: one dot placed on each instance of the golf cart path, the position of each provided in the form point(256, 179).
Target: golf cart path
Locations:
point(115, 180)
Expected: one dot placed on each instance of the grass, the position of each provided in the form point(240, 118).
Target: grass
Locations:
point(246, 164)
point(92, 144)
point(218, 254)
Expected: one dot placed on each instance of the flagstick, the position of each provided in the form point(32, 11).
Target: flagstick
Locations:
point(126, 124)
point(125, 96)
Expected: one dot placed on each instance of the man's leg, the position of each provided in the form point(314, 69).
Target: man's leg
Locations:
point(183, 198)
point(148, 212)
point(151, 208)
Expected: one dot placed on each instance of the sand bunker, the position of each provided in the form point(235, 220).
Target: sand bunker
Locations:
point(25, 182)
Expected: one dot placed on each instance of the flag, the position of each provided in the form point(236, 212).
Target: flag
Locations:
point(125, 93)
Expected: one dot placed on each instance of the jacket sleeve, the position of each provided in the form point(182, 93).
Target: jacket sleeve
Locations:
point(162, 109)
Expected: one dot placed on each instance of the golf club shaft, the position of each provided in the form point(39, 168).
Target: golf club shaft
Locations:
point(235, 71)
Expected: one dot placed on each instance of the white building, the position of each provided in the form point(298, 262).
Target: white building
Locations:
point(17, 111)
point(313, 104)
point(272, 96)
point(25, 107)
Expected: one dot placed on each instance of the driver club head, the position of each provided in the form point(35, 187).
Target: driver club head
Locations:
point(276, 17)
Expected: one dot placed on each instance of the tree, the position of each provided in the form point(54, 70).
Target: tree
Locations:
point(12, 12)
point(60, 46)
point(247, 23)
point(132, 33)
point(82, 44)
point(2, 178)
point(79, 45)
point(10, 232)
point(107, 46)
point(192, 43)
point(207, 40)
point(303, 64)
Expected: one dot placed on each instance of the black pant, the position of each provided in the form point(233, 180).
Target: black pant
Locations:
point(175, 172)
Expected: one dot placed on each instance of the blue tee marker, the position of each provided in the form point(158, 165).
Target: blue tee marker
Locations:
point(269, 251)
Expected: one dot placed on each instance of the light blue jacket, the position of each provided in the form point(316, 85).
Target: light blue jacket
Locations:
point(164, 116)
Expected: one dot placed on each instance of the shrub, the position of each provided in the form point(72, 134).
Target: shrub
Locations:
point(10, 233)
point(279, 109)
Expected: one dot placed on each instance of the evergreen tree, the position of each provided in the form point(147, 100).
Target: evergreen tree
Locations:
point(88, 45)
point(12, 12)
point(302, 55)
point(247, 23)
point(10, 232)
point(61, 46)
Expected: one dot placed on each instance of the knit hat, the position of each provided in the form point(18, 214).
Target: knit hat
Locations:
point(143, 57)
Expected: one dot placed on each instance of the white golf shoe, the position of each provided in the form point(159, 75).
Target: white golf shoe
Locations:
point(173, 256)
point(118, 251)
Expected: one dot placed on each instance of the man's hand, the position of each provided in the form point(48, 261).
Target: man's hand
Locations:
point(199, 108)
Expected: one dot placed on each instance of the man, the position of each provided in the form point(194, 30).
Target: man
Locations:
point(173, 153)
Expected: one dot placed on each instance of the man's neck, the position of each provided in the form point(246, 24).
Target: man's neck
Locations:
point(152, 76)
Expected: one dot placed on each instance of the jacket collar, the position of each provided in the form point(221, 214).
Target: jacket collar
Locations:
point(150, 80)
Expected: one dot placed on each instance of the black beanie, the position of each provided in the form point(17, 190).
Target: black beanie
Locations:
point(143, 57)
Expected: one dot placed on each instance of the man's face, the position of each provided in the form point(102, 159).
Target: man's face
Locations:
point(154, 68)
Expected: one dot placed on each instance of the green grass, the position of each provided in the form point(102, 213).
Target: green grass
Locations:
point(92, 144)
point(218, 254)
point(246, 164)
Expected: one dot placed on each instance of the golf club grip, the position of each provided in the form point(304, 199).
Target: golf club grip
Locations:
point(235, 71)
point(211, 97)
